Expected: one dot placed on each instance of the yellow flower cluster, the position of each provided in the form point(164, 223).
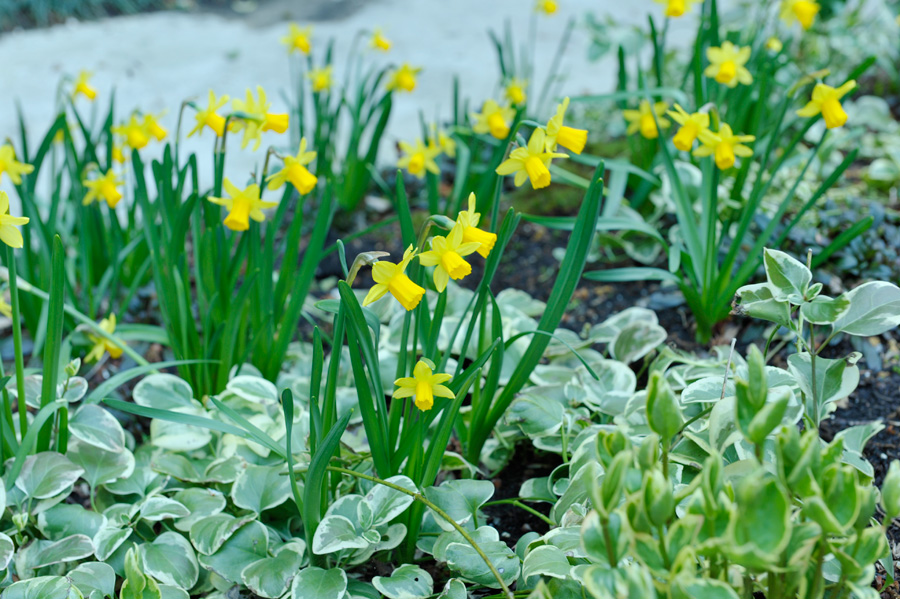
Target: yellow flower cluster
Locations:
point(137, 132)
point(447, 256)
point(722, 144)
point(532, 161)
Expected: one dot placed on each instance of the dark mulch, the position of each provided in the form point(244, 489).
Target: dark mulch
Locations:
point(512, 521)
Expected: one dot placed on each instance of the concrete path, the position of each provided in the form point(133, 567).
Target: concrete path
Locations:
point(156, 60)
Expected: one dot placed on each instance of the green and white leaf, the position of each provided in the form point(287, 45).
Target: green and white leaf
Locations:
point(316, 583)
point(406, 582)
point(259, 488)
point(170, 559)
point(271, 576)
point(47, 474)
point(246, 546)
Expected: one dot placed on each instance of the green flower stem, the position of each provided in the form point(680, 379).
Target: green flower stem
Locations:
point(9, 275)
point(421, 498)
point(17, 339)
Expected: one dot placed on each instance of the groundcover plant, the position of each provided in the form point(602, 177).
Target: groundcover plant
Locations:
point(258, 386)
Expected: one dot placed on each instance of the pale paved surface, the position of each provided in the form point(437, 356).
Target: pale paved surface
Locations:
point(157, 60)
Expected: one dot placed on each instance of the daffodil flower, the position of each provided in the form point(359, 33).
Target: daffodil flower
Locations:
point(208, 117)
point(725, 145)
point(9, 164)
point(677, 8)
point(571, 139)
point(804, 11)
point(530, 162)
point(118, 153)
point(83, 87)
point(468, 220)
point(379, 42)
point(446, 255)
point(403, 78)
point(242, 206)
point(295, 171)
point(153, 128)
point(135, 134)
point(298, 39)
point(258, 119)
point(423, 385)
point(9, 234)
point(642, 119)
point(104, 188)
point(493, 119)
point(727, 64)
point(774, 45)
point(103, 345)
point(827, 100)
point(515, 91)
point(443, 142)
point(321, 78)
point(419, 158)
point(691, 127)
point(390, 277)
point(547, 7)
point(5, 308)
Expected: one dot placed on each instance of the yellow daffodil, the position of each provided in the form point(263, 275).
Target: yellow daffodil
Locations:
point(9, 234)
point(567, 137)
point(295, 171)
point(493, 119)
point(547, 7)
point(152, 126)
point(83, 87)
point(446, 255)
point(727, 64)
point(423, 385)
point(443, 142)
point(677, 8)
point(802, 11)
point(774, 45)
point(118, 153)
point(724, 145)
point(321, 79)
point(827, 100)
point(104, 188)
point(379, 42)
point(103, 345)
point(5, 308)
point(468, 220)
point(242, 206)
point(258, 119)
point(641, 120)
point(530, 162)
point(419, 158)
point(298, 39)
point(515, 91)
point(390, 277)
point(9, 164)
point(208, 117)
point(403, 78)
point(691, 127)
point(135, 134)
